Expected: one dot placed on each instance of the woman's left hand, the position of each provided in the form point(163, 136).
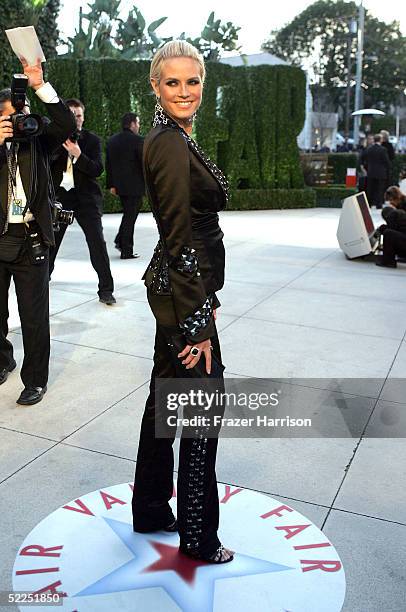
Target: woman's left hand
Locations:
point(191, 360)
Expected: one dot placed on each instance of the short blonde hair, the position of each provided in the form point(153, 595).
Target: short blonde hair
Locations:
point(175, 48)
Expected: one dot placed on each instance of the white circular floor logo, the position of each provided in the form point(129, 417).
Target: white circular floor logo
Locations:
point(88, 551)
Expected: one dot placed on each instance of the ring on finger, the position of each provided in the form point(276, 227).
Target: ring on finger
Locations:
point(194, 351)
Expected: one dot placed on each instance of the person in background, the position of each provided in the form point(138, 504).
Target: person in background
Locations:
point(75, 168)
point(377, 164)
point(394, 232)
point(395, 198)
point(367, 142)
point(124, 178)
point(391, 154)
point(362, 175)
point(387, 145)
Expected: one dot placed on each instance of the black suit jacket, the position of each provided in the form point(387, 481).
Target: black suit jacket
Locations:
point(185, 198)
point(55, 132)
point(124, 163)
point(389, 149)
point(86, 170)
point(395, 218)
point(376, 162)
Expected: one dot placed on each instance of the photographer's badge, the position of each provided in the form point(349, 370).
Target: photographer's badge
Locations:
point(17, 207)
point(87, 553)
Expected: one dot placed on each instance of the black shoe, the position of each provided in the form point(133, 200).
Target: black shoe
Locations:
point(6, 371)
point(31, 395)
point(220, 555)
point(107, 298)
point(172, 527)
point(380, 262)
point(129, 255)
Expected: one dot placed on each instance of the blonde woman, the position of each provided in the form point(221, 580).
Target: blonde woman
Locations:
point(186, 191)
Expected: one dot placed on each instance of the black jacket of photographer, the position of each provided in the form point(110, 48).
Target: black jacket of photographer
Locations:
point(55, 132)
point(87, 168)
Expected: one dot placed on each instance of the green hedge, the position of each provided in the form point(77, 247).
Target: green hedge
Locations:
point(262, 199)
point(339, 163)
point(243, 199)
point(332, 196)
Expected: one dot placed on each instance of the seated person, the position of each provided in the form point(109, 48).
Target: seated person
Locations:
point(395, 197)
point(394, 232)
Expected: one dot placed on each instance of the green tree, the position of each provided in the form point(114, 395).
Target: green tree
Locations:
point(132, 38)
point(107, 35)
point(215, 38)
point(320, 34)
point(47, 28)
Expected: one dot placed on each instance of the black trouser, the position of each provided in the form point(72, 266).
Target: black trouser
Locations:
point(394, 243)
point(125, 237)
point(90, 220)
point(376, 191)
point(32, 290)
point(197, 497)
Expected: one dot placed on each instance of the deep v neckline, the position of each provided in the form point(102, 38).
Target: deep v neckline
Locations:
point(162, 118)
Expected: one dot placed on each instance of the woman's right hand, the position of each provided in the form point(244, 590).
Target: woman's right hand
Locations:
point(191, 360)
point(6, 129)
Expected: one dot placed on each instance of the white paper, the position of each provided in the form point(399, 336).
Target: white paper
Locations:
point(25, 43)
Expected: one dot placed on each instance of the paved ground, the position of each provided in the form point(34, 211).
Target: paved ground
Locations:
point(293, 307)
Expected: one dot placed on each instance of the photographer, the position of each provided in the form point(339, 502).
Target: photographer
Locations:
point(26, 230)
point(75, 168)
point(394, 232)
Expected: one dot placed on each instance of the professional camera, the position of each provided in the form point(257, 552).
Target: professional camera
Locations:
point(24, 126)
point(59, 215)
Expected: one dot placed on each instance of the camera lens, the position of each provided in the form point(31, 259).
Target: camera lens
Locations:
point(30, 125)
point(26, 126)
point(66, 216)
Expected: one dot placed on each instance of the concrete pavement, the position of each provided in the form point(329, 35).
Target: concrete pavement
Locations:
point(293, 307)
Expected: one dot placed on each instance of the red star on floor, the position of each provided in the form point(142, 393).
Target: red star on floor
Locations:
point(172, 559)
